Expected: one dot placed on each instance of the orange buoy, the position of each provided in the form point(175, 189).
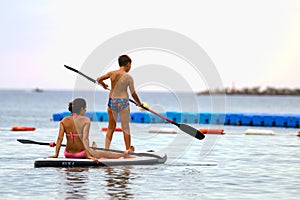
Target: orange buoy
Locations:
point(211, 131)
point(22, 128)
point(298, 134)
point(116, 129)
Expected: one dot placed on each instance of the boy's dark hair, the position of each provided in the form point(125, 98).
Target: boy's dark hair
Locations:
point(123, 60)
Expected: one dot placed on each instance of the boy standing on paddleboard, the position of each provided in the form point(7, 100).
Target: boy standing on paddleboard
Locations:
point(118, 103)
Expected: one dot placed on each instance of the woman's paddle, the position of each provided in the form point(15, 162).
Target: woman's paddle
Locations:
point(184, 127)
point(52, 144)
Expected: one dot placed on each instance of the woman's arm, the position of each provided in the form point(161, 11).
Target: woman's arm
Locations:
point(60, 138)
point(85, 140)
point(85, 136)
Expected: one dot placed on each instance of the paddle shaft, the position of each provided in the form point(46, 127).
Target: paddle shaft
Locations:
point(52, 144)
point(184, 127)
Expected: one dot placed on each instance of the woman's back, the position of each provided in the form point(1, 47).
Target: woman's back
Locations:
point(73, 128)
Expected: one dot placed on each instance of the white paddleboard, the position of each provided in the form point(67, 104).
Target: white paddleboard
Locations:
point(144, 158)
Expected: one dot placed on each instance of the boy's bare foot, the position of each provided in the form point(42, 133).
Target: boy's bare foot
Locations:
point(126, 155)
point(131, 149)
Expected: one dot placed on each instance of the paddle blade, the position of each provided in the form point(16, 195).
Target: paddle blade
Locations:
point(24, 141)
point(191, 131)
point(82, 74)
point(72, 69)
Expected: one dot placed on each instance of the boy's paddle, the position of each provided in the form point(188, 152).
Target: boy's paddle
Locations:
point(184, 127)
point(82, 74)
point(52, 144)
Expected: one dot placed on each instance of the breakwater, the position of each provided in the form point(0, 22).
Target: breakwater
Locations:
point(254, 91)
point(236, 119)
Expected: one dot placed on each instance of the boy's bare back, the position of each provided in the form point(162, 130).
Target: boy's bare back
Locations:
point(120, 82)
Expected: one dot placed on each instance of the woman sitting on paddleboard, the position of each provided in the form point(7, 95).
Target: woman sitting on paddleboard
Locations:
point(76, 128)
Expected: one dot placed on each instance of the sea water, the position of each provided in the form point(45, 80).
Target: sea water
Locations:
point(230, 166)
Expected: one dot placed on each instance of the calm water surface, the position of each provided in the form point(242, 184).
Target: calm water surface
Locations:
point(231, 166)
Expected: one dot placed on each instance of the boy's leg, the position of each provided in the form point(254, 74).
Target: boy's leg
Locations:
point(125, 117)
point(112, 121)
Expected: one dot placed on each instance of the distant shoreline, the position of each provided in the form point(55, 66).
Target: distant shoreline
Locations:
point(228, 91)
point(254, 91)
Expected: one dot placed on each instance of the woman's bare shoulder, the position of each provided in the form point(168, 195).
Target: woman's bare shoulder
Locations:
point(85, 119)
point(66, 119)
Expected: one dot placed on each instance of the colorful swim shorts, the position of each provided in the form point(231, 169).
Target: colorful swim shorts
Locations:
point(117, 104)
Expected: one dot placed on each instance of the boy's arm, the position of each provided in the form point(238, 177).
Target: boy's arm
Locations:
point(136, 98)
point(133, 93)
point(102, 78)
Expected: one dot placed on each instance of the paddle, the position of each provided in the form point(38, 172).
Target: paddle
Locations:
point(82, 74)
point(184, 127)
point(52, 144)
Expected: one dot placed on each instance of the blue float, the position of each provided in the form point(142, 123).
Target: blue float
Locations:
point(243, 119)
point(281, 120)
point(258, 120)
point(174, 116)
point(269, 120)
point(204, 118)
point(246, 119)
point(57, 116)
point(293, 121)
point(218, 118)
point(91, 115)
point(140, 117)
point(189, 118)
point(60, 116)
point(100, 117)
point(156, 119)
point(233, 118)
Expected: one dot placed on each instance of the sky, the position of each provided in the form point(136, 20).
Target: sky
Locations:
point(251, 43)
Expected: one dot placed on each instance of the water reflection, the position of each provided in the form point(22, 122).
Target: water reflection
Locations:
point(75, 186)
point(118, 182)
point(109, 182)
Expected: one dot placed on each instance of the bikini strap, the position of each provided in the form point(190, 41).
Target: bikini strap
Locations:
point(72, 136)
